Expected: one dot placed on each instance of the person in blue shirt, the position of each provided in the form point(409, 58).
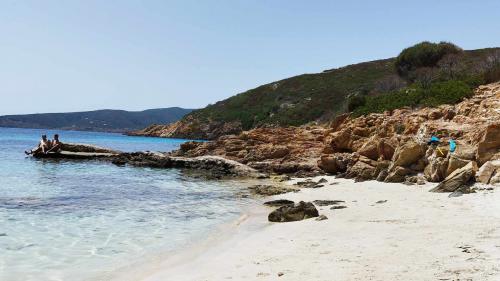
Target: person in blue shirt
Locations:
point(453, 145)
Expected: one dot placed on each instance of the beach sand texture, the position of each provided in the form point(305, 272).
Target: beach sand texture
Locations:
point(414, 235)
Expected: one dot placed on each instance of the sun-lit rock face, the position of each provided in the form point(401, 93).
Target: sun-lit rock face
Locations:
point(401, 136)
point(390, 146)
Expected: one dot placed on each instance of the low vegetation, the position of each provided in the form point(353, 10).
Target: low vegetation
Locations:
point(436, 74)
point(425, 74)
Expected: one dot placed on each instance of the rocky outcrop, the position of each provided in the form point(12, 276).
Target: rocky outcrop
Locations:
point(276, 150)
point(457, 179)
point(393, 147)
point(191, 128)
point(302, 210)
point(217, 166)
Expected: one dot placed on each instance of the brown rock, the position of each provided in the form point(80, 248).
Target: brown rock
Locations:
point(489, 144)
point(336, 163)
point(397, 174)
point(457, 179)
point(386, 149)
point(435, 171)
point(488, 171)
point(370, 149)
point(407, 154)
point(363, 169)
point(455, 163)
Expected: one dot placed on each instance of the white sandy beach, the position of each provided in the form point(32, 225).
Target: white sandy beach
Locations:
point(415, 235)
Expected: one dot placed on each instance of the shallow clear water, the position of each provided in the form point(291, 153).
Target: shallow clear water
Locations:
point(70, 220)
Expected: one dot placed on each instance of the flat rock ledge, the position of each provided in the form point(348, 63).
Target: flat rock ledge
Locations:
point(216, 166)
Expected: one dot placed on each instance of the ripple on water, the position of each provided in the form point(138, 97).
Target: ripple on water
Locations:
point(72, 220)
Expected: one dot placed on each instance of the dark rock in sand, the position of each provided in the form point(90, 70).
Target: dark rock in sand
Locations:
point(268, 190)
point(380, 201)
point(323, 180)
point(279, 203)
point(308, 184)
point(297, 212)
point(327, 202)
point(338, 207)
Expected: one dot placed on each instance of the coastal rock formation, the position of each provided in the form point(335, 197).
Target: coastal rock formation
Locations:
point(217, 166)
point(302, 210)
point(392, 146)
point(457, 179)
point(190, 128)
point(279, 150)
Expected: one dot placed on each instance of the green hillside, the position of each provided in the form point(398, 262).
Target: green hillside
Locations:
point(321, 96)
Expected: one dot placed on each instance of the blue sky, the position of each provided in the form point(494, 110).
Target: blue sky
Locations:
point(59, 56)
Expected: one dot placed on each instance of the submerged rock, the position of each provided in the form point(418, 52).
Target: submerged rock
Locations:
point(302, 210)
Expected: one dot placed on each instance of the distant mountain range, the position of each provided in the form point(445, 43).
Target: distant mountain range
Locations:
point(106, 120)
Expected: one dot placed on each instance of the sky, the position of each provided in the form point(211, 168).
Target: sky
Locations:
point(63, 56)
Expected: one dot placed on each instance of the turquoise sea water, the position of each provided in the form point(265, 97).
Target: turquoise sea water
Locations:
point(70, 220)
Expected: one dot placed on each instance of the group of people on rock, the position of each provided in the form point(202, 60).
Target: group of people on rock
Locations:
point(45, 146)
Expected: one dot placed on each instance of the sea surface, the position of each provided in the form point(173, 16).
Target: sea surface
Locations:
point(76, 220)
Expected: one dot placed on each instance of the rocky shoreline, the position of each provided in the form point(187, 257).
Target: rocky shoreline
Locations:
point(388, 147)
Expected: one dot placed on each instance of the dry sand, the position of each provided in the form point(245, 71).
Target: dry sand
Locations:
point(414, 235)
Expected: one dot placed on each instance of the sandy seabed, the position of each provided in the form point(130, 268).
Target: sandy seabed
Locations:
point(413, 235)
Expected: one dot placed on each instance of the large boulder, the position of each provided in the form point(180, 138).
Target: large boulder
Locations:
point(363, 169)
point(489, 144)
point(386, 148)
point(370, 149)
point(488, 172)
point(397, 174)
point(408, 153)
point(302, 210)
point(334, 163)
point(459, 178)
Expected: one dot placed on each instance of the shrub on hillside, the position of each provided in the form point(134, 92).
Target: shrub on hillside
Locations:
point(425, 54)
point(438, 93)
point(355, 101)
point(446, 92)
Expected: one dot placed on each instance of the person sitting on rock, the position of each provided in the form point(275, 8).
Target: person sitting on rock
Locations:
point(43, 147)
point(56, 145)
